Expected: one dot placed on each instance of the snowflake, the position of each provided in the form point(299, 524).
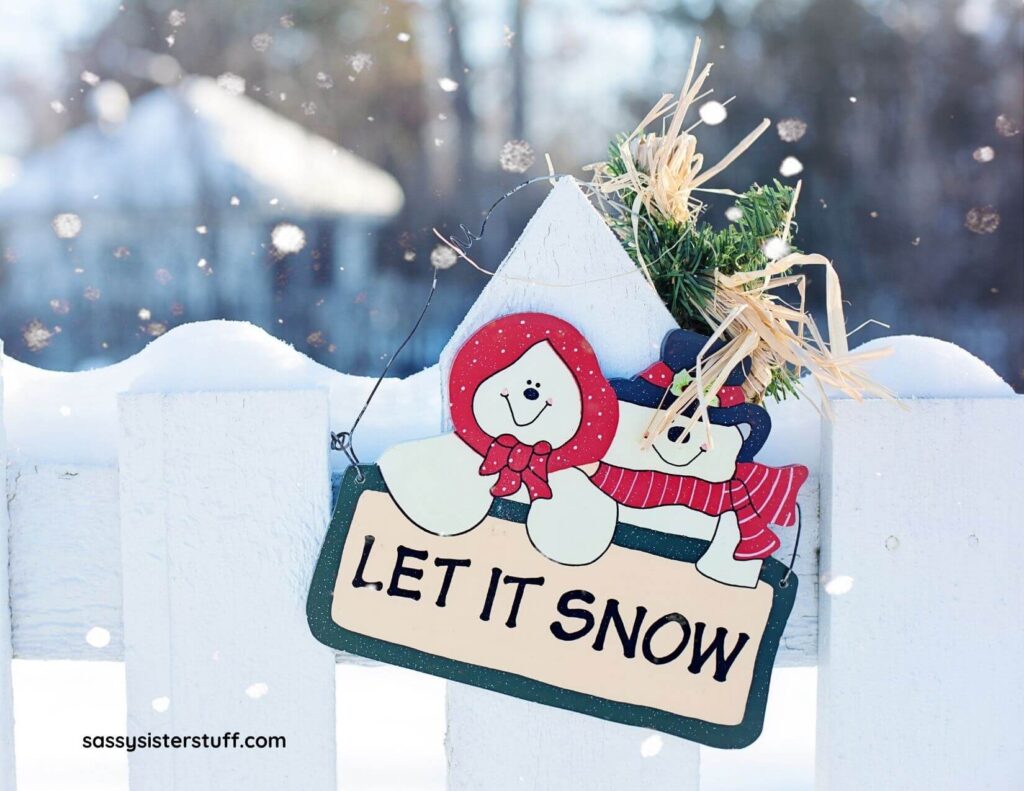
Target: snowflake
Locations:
point(286, 21)
point(60, 306)
point(145, 314)
point(403, 37)
point(261, 42)
point(121, 252)
point(57, 106)
point(324, 80)
point(89, 78)
point(316, 339)
point(982, 220)
point(176, 18)
point(360, 62)
point(231, 83)
point(1007, 127)
point(775, 248)
point(91, 293)
point(712, 113)
point(447, 84)
point(443, 257)
point(309, 108)
point(791, 129)
point(516, 156)
point(67, 225)
point(984, 154)
point(734, 214)
point(287, 238)
point(409, 255)
point(37, 336)
point(156, 328)
point(790, 166)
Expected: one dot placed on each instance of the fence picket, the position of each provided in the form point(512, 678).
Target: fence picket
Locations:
point(224, 500)
point(919, 661)
point(6, 641)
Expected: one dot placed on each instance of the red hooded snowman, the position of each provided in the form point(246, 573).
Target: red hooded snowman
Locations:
point(529, 405)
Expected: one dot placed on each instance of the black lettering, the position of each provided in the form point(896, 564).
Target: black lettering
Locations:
point(450, 564)
point(517, 599)
point(722, 662)
point(672, 617)
point(492, 589)
point(565, 610)
point(357, 580)
point(628, 640)
point(401, 570)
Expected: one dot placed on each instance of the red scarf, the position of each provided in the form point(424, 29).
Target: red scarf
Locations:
point(517, 463)
point(760, 496)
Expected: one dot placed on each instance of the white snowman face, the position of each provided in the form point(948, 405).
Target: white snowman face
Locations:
point(672, 453)
point(535, 398)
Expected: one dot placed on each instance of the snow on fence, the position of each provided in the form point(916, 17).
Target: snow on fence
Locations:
point(173, 506)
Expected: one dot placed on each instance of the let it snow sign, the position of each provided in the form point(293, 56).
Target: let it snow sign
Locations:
point(544, 550)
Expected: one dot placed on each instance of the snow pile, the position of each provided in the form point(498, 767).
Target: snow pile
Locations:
point(72, 417)
point(917, 368)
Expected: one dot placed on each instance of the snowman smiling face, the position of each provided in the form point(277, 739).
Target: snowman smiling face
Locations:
point(534, 398)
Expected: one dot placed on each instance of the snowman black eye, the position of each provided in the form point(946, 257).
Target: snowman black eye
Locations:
point(529, 382)
point(536, 384)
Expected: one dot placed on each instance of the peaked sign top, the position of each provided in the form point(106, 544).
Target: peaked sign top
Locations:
point(568, 263)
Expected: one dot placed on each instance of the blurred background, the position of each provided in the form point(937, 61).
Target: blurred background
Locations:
point(284, 161)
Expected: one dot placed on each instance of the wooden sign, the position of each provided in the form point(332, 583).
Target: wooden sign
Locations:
point(543, 550)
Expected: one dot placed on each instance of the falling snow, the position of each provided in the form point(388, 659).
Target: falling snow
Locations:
point(791, 129)
point(984, 154)
point(57, 106)
point(261, 42)
point(111, 102)
point(316, 339)
point(838, 585)
point(309, 108)
point(775, 248)
point(67, 225)
point(37, 336)
point(447, 84)
point(122, 252)
point(287, 238)
point(443, 257)
point(161, 704)
point(516, 156)
point(257, 691)
point(91, 293)
point(60, 306)
point(790, 166)
point(712, 113)
point(403, 37)
point(651, 746)
point(734, 214)
point(324, 80)
point(360, 62)
point(286, 21)
point(176, 18)
point(231, 83)
point(163, 276)
point(98, 637)
point(982, 220)
point(155, 329)
point(89, 78)
point(1007, 127)
point(145, 314)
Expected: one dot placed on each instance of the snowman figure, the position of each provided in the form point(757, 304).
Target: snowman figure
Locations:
point(682, 483)
point(529, 405)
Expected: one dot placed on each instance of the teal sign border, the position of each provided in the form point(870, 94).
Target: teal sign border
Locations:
point(318, 612)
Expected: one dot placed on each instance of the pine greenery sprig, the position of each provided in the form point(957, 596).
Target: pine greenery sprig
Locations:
point(682, 257)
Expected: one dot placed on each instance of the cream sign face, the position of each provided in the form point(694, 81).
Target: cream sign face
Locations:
point(508, 563)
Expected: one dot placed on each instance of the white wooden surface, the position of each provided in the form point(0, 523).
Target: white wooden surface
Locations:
point(6, 641)
point(565, 244)
point(920, 662)
point(224, 501)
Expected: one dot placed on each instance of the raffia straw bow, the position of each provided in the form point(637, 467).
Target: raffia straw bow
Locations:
point(760, 325)
point(666, 169)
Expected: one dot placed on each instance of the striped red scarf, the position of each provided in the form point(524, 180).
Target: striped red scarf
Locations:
point(760, 495)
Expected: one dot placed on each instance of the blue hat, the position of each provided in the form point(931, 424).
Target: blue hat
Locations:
point(679, 351)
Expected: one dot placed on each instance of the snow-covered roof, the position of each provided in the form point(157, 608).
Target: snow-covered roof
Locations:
point(194, 144)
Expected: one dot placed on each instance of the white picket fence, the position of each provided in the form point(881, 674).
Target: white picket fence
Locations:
point(196, 549)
